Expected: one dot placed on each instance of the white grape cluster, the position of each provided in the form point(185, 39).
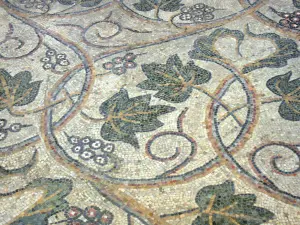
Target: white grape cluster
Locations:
point(197, 13)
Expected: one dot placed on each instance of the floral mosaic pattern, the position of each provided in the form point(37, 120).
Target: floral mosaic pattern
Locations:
point(147, 112)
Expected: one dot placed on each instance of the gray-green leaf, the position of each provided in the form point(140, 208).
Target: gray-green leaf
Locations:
point(49, 204)
point(17, 90)
point(281, 85)
point(285, 49)
point(218, 205)
point(125, 116)
point(204, 46)
point(165, 5)
point(173, 81)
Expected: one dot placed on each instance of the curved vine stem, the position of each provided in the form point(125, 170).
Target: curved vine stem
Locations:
point(266, 101)
point(230, 112)
point(40, 109)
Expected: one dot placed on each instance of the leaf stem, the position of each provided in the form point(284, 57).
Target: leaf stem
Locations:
point(85, 116)
point(37, 110)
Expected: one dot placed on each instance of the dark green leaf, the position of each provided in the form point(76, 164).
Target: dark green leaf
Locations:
point(296, 3)
point(218, 205)
point(285, 49)
point(204, 46)
point(125, 116)
point(49, 204)
point(290, 92)
point(170, 5)
point(83, 3)
point(173, 81)
point(145, 5)
point(165, 5)
point(17, 90)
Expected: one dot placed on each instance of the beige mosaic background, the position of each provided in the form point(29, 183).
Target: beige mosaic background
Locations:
point(163, 112)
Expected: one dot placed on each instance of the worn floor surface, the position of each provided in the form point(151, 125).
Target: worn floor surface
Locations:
point(162, 112)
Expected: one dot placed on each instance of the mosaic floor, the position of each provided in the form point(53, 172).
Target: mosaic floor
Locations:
point(139, 112)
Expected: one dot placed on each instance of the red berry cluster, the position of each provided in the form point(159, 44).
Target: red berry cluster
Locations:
point(91, 215)
point(290, 20)
point(119, 65)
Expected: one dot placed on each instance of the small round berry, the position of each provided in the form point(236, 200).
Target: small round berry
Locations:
point(96, 144)
point(119, 70)
point(73, 212)
point(87, 154)
point(75, 222)
point(45, 8)
point(77, 149)
point(106, 217)
point(15, 127)
point(50, 52)
point(294, 25)
point(209, 9)
point(284, 22)
point(45, 59)
point(40, 6)
point(297, 13)
point(198, 13)
point(3, 122)
point(199, 6)
point(130, 56)
point(108, 65)
point(286, 15)
point(74, 139)
point(295, 19)
point(101, 160)
point(117, 60)
point(209, 16)
point(185, 9)
point(130, 65)
point(197, 19)
point(3, 134)
point(64, 62)
point(92, 213)
point(48, 66)
point(108, 148)
point(186, 16)
point(61, 56)
point(85, 140)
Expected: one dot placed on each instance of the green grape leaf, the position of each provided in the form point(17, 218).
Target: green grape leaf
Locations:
point(285, 49)
point(165, 5)
point(218, 205)
point(281, 85)
point(296, 3)
point(52, 201)
point(204, 46)
point(17, 90)
point(125, 116)
point(173, 81)
point(83, 3)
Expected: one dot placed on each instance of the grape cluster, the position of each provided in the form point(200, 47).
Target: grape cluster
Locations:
point(119, 65)
point(92, 149)
point(91, 215)
point(43, 5)
point(197, 13)
point(290, 20)
point(15, 127)
point(53, 59)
